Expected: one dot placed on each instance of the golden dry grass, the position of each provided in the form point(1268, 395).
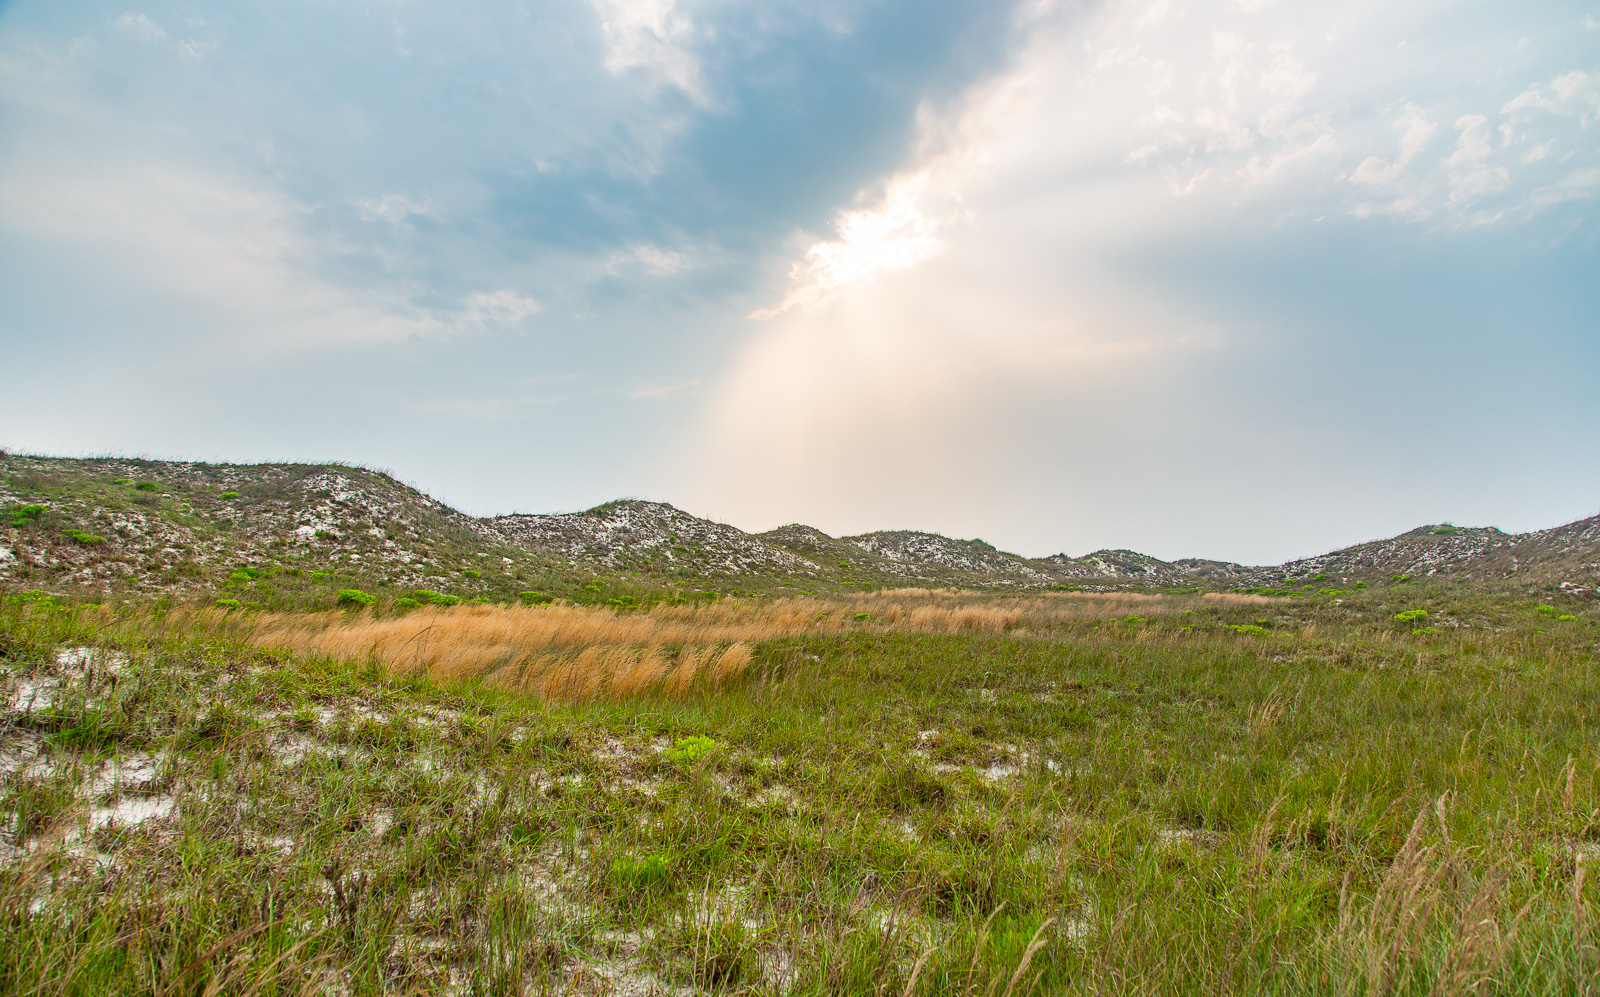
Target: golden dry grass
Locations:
point(582, 652)
point(1242, 598)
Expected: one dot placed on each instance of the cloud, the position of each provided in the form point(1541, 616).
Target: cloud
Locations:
point(1579, 185)
point(394, 208)
point(1001, 302)
point(209, 241)
point(664, 392)
point(653, 37)
point(1471, 176)
point(140, 28)
point(478, 409)
point(1416, 132)
point(1575, 93)
point(492, 310)
point(651, 258)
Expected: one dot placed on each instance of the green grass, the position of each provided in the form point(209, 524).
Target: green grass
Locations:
point(1325, 803)
point(356, 597)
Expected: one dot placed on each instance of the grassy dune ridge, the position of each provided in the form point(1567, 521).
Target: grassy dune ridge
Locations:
point(910, 792)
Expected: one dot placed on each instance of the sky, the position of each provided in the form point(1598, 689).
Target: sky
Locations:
point(1245, 279)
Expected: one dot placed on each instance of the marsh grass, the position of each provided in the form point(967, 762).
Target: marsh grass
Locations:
point(565, 651)
point(196, 801)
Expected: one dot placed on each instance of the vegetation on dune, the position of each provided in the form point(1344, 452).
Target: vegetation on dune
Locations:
point(903, 793)
point(292, 537)
point(300, 729)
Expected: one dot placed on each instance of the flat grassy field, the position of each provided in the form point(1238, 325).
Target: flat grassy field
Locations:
point(902, 793)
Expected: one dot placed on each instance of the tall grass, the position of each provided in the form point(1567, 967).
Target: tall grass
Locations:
point(583, 652)
point(1158, 805)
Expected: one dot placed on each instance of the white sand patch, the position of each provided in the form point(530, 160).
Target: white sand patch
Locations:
point(28, 696)
point(23, 753)
point(132, 811)
point(1171, 836)
point(997, 771)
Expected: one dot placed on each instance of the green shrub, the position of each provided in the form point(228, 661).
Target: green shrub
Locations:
point(228, 603)
point(1424, 631)
point(317, 576)
point(844, 564)
point(87, 539)
point(435, 598)
point(1546, 610)
point(688, 750)
point(1565, 618)
point(533, 598)
point(148, 486)
point(1406, 616)
point(122, 481)
point(863, 616)
point(406, 604)
point(229, 495)
point(1250, 628)
point(472, 572)
point(22, 515)
point(356, 597)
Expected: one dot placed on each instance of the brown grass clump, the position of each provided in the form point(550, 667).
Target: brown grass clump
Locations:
point(1242, 598)
point(584, 652)
point(1426, 892)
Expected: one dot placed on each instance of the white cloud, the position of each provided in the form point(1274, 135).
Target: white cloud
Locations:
point(1416, 132)
point(1579, 185)
point(394, 208)
point(664, 392)
point(195, 49)
point(652, 258)
point(140, 28)
point(654, 37)
point(1575, 93)
point(212, 243)
point(1471, 175)
point(492, 310)
point(476, 409)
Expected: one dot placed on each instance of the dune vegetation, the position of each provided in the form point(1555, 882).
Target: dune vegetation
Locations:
point(574, 652)
point(903, 792)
